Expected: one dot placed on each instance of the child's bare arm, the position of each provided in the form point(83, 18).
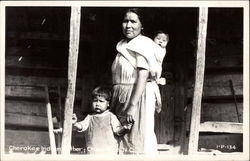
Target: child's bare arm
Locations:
point(80, 126)
point(119, 129)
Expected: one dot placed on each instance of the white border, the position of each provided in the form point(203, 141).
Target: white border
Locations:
point(246, 81)
point(244, 4)
point(2, 76)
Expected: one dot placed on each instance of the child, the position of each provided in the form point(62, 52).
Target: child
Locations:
point(161, 39)
point(101, 126)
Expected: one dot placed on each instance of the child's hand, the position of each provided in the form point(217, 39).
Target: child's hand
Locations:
point(74, 118)
point(128, 126)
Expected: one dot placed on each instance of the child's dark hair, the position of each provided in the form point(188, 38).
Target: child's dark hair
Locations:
point(161, 32)
point(102, 91)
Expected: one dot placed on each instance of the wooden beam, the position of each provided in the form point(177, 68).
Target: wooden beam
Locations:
point(72, 71)
point(199, 78)
point(221, 127)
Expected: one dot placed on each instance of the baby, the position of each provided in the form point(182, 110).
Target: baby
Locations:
point(101, 127)
point(161, 38)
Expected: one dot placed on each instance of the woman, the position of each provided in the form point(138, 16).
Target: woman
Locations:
point(133, 73)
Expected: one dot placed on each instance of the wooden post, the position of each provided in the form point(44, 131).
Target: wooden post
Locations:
point(72, 71)
point(199, 78)
point(50, 122)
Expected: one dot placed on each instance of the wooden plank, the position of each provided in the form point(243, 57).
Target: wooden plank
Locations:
point(25, 120)
point(37, 36)
point(50, 122)
point(226, 47)
point(222, 61)
point(25, 108)
point(46, 36)
point(39, 51)
point(224, 142)
point(36, 62)
point(223, 80)
point(199, 77)
point(32, 92)
point(230, 61)
point(25, 113)
point(225, 112)
point(16, 139)
point(218, 85)
point(221, 112)
point(220, 91)
point(42, 81)
point(72, 71)
point(35, 81)
point(44, 72)
point(221, 127)
point(35, 92)
point(34, 108)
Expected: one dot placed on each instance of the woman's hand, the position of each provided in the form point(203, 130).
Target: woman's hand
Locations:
point(131, 114)
point(139, 88)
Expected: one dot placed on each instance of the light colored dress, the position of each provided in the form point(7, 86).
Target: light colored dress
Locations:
point(137, 53)
point(100, 130)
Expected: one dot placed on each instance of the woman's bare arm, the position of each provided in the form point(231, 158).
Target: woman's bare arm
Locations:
point(137, 92)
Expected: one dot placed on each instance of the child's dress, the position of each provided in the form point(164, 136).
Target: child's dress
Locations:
point(100, 130)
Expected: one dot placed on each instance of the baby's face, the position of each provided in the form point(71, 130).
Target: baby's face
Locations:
point(100, 104)
point(161, 39)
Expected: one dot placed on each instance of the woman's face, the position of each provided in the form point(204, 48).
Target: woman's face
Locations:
point(131, 25)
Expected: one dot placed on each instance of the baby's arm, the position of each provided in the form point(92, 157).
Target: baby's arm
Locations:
point(82, 125)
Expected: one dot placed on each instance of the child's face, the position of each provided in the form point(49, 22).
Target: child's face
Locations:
point(100, 104)
point(161, 39)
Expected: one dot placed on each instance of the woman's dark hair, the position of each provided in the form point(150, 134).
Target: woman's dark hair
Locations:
point(137, 11)
point(102, 91)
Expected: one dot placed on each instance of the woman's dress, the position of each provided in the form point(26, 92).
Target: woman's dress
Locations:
point(137, 53)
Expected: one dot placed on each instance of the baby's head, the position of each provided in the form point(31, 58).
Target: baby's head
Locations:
point(161, 38)
point(101, 97)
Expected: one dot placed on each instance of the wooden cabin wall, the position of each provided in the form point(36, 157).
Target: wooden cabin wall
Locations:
point(224, 63)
